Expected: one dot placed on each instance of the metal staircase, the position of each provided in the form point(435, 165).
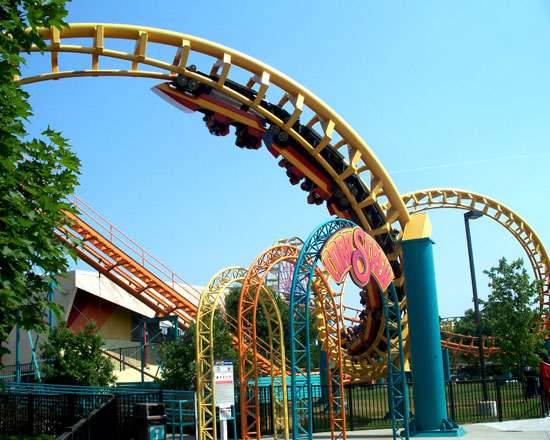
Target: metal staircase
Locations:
point(129, 266)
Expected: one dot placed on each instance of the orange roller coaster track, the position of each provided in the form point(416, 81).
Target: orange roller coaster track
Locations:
point(113, 254)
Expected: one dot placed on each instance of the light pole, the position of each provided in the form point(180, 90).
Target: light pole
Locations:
point(472, 215)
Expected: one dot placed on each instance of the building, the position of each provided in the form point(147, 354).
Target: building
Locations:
point(87, 296)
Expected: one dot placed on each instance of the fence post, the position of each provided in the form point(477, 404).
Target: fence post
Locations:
point(271, 390)
point(117, 416)
point(71, 413)
point(312, 424)
point(30, 414)
point(499, 400)
point(452, 400)
point(543, 401)
point(350, 403)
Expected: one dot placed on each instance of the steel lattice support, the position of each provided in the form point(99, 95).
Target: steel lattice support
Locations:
point(396, 379)
point(329, 327)
point(206, 402)
point(302, 409)
point(254, 290)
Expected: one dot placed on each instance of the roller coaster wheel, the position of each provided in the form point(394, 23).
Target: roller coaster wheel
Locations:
point(274, 130)
point(307, 185)
point(181, 81)
point(192, 68)
point(193, 85)
point(283, 136)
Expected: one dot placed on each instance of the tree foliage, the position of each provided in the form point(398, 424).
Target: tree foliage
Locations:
point(76, 359)
point(178, 358)
point(511, 313)
point(36, 175)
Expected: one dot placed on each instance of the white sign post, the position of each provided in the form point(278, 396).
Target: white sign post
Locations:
point(224, 392)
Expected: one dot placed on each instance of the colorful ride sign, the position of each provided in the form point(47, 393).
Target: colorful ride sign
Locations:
point(353, 250)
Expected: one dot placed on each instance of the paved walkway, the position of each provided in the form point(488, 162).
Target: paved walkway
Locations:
point(529, 429)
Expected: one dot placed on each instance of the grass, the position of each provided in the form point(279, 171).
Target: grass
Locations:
point(370, 405)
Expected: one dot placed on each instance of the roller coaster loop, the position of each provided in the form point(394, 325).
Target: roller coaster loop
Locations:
point(424, 200)
point(254, 290)
point(302, 410)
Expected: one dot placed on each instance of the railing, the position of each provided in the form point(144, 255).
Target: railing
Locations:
point(181, 416)
point(28, 371)
point(516, 398)
point(132, 356)
point(100, 423)
point(41, 408)
point(33, 414)
point(140, 255)
point(15, 413)
point(48, 389)
point(367, 404)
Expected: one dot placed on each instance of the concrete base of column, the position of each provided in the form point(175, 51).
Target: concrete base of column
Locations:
point(448, 429)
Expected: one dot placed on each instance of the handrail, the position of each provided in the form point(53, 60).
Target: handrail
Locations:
point(128, 364)
point(115, 236)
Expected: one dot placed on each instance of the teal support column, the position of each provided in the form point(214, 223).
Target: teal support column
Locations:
point(51, 287)
point(430, 404)
point(142, 353)
point(547, 346)
point(17, 352)
point(446, 366)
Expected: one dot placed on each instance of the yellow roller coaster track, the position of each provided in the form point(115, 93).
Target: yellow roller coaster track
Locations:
point(424, 200)
point(102, 44)
point(95, 41)
point(103, 41)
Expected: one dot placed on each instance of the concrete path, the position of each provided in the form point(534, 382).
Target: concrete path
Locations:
point(529, 429)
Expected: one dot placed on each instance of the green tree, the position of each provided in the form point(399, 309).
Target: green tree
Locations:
point(511, 313)
point(36, 175)
point(466, 325)
point(76, 359)
point(178, 358)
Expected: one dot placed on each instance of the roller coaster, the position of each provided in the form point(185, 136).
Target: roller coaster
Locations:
point(316, 148)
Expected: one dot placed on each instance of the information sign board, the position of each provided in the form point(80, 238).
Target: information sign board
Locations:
point(223, 384)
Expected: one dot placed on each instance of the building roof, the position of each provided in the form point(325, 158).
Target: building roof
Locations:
point(100, 286)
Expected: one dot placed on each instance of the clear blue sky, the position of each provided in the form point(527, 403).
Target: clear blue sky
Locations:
point(447, 94)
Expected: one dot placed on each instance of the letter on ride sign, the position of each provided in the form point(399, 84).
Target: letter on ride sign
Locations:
point(353, 250)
